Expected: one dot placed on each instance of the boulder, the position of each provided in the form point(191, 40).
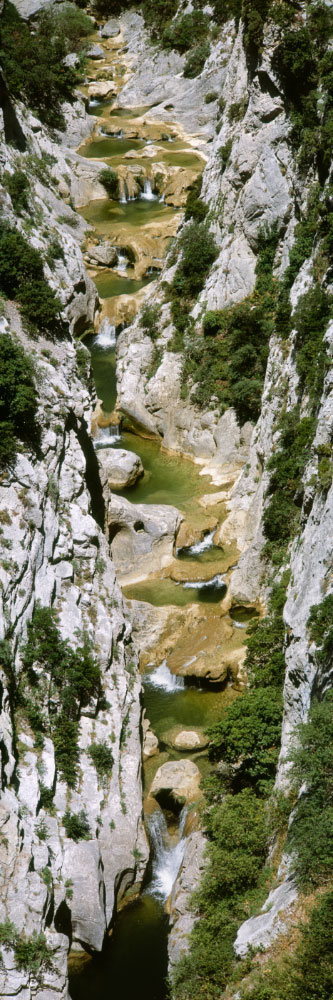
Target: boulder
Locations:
point(176, 784)
point(103, 253)
point(95, 52)
point(111, 29)
point(150, 741)
point(101, 88)
point(190, 739)
point(122, 468)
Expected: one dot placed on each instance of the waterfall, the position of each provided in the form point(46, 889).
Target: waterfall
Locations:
point(122, 262)
point(162, 199)
point(167, 857)
point(147, 193)
point(106, 337)
point(216, 582)
point(198, 547)
point(107, 436)
point(163, 678)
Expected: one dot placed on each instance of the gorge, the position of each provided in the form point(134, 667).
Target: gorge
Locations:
point(166, 504)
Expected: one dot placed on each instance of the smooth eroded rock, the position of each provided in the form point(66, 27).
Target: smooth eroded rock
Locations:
point(122, 468)
point(176, 783)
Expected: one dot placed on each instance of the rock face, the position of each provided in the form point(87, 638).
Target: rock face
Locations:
point(181, 917)
point(53, 523)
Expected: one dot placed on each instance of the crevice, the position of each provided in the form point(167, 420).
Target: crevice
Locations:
point(92, 477)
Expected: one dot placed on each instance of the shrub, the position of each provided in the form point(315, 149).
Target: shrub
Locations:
point(31, 954)
point(196, 60)
point(282, 514)
point(73, 680)
point(33, 62)
point(199, 250)
point(17, 185)
point(182, 33)
point(22, 278)
point(18, 400)
point(249, 734)
point(77, 825)
point(102, 758)
point(211, 96)
point(224, 154)
point(310, 320)
point(157, 14)
point(237, 849)
point(195, 208)
point(311, 833)
point(109, 179)
point(149, 319)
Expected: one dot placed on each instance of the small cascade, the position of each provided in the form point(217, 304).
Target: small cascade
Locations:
point(107, 436)
point(147, 194)
point(215, 583)
point(163, 678)
point(162, 199)
point(106, 337)
point(167, 856)
point(123, 196)
point(198, 547)
point(122, 263)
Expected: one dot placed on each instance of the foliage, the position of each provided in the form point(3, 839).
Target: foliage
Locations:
point(286, 467)
point(195, 208)
point(249, 734)
point(310, 320)
point(306, 975)
point(238, 843)
point(224, 154)
point(33, 58)
point(109, 178)
point(31, 954)
point(227, 364)
point(196, 60)
point(183, 32)
point(320, 623)
point(22, 278)
point(18, 400)
point(77, 825)
point(102, 758)
point(158, 13)
point(67, 678)
point(264, 662)
point(149, 319)
point(17, 185)
point(311, 833)
point(198, 252)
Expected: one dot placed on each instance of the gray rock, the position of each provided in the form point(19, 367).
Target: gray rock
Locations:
point(104, 253)
point(143, 537)
point(121, 468)
point(176, 783)
point(182, 918)
point(95, 52)
point(260, 931)
point(111, 29)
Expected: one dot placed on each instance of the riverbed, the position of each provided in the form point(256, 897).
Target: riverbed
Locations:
point(134, 962)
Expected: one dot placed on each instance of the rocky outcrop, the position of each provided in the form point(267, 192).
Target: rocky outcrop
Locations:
point(176, 784)
point(121, 468)
point(182, 918)
point(142, 538)
point(55, 552)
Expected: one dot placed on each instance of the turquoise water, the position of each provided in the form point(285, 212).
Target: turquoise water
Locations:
point(105, 147)
point(109, 284)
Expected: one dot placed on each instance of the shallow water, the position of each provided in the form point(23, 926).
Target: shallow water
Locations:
point(166, 592)
point(107, 146)
point(109, 284)
point(114, 216)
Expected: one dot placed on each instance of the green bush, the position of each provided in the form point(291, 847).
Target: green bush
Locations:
point(249, 734)
point(211, 96)
point(102, 758)
point(17, 185)
point(224, 154)
point(311, 833)
point(22, 278)
point(32, 58)
point(70, 678)
point(31, 954)
point(149, 319)
point(182, 33)
point(109, 179)
point(198, 252)
point(157, 13)
point(18, 400)
point(195, 208)
point(310, 320)
point(286, 467)
point(228, 890)
point(196, 60)
point(77, 825)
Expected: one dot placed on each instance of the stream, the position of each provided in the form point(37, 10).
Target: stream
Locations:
point(199, 575)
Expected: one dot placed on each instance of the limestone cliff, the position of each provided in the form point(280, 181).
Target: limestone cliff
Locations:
point(55, 552)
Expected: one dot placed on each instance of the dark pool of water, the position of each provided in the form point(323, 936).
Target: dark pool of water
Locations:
point(242, 614)
point(134, 963)
point(168, 478)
